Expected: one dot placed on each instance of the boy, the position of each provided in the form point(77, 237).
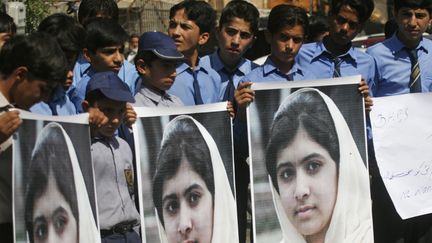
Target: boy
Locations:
point(190, 25)
point(69, 34)
point(238, 25)
point(7, 28)
point(89, 9)
point(104, 51)
point(112, 160)
point(398, 59)
point(156, 63)
point(30, 68)
point(334, 56)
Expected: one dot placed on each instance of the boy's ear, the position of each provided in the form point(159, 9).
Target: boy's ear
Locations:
point(203, 38)
point(87, 55)
point(140, 66)
point(85, 105)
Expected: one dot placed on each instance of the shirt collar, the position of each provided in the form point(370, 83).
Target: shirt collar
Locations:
point(397, 45)
point(269, 67)
point(183, 66)
point(218, 65)
point(153, 95)
point(3, 100)
point(322, 50)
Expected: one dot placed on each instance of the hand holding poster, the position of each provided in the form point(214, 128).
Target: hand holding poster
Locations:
point(402, 134)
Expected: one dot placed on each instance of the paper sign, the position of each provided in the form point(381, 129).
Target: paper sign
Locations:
point(402, 133)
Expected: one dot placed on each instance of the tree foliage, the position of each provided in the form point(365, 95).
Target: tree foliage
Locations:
point(36, 10)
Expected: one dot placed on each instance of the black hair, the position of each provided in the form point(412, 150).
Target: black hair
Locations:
point(39, 52)
point(284, 15)
point(50, 157)
point(309, 111)
point(147, 56)
point(68, 32)
point(182, 140)
point(390, 28)
point(7, 24)
point(200, 12)
point(414, 4)
point(242, 10)
point(103, 32)
point(134, 35)
point(318, 25)
point(94, 96)
point(97, 8)
point(364, 8)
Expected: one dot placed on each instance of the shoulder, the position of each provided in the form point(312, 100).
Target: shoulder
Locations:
point(253, 75)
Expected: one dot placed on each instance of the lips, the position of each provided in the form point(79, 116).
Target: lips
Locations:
point(233, 50)
point(304, 211)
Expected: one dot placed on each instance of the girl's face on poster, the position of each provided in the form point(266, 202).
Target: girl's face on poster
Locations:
point(53, 220)
point(187, 207)
point(307, 180)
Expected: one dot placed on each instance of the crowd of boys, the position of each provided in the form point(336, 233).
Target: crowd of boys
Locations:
point(68, 67)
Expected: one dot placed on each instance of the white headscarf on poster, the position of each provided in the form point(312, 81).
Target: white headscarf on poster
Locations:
point(351, 221)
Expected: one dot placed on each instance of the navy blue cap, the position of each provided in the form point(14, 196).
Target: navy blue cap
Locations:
point(111, 86)
point(160, 44)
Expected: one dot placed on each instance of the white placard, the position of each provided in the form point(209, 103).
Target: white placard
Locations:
point(402, 133)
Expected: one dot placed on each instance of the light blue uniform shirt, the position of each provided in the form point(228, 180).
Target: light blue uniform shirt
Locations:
point(207, 80)
point(394, 67)
point(82, 66)
point(59, 104)
point(268, 72)
point(127, 73)
point(149, 98)
point(243, 68)
point(316, 59)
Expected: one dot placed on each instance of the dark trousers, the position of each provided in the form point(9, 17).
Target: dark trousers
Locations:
point(6, 232)
point(242, 185)
point(129, 237)
point(388, 225)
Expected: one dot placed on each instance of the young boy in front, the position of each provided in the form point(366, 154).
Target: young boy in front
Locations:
point(190, 25)
point(156, 62)
point(112, 160)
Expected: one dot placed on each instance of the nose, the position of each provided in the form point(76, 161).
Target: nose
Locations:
point(345, 26)
point(289, 45)
point(302, 190)
point(52, 236)
point(235, 40)
point(185, 221)
point(118, 57)
point(413, 20)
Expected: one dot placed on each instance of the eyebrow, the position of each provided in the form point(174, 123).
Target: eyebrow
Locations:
point(42, 218)
point(308, 157)
point(173, 196)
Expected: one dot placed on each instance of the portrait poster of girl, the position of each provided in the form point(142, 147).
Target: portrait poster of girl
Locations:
point(54, 192)
point(310, 178)
point(186, 184)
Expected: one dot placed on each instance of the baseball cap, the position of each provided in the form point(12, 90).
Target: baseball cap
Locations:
point(160, 44)
point(111, 86)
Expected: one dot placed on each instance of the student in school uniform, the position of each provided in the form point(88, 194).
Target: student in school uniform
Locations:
point(190, 25)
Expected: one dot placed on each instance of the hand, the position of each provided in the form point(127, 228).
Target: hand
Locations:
point(130, 116)
point(9, 123)
point(364, 90)
point(230, 109)
point(96, 117)
point(244, 95)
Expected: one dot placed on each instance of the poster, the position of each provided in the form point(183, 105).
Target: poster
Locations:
point(307, 154)
point(53, 184)
point(402, 135)
point(186, 174)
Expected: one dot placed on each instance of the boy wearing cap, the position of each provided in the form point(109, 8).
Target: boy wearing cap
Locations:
point(112, 160)
point(156, 63)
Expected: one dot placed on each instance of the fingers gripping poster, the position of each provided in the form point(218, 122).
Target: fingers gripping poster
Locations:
point(53, 184)
point(307, 154)
point(186, 176)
